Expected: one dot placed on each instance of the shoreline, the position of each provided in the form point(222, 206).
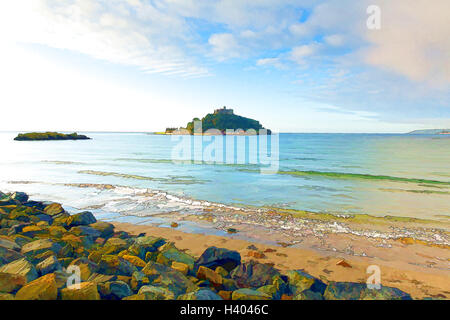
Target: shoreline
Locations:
point(115, 251)
point(418, 281)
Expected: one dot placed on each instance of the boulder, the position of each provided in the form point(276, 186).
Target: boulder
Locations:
point(49, 265)
point(6, 296)
point(249, 294)
point(22, 197)
point(214, 257)
point(34, 231)
point(106, 229)
point(8, 255)
point(344, 291)
point(205, 273)
point(114, 265)
point(100, 278)
point(81, 291)
point(144, 245)
point(39, 246)
point(114, 290)
point(87, 267)
point(308, 295)
point(138, 279)
point(171, 253)
point(181, 267)
point(53, 209)
point(384, 293)
point(253, 274)
point(157, 293)
point(201, 294)
point(9, 244)
point(171, 279)
point(300, 281)
point(85, 231)
point(11, 282)
point(81, 219)
point(43, 288)
point(136, 261)
point(20, 267)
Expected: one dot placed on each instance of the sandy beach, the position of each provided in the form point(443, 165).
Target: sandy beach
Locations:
point(419, 269)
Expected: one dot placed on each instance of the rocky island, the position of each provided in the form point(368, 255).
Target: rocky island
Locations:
point(41, 245)
point(431, 131)
point(44, 136)
point(221, 120)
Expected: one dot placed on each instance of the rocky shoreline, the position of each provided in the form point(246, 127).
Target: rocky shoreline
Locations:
point(41, 246)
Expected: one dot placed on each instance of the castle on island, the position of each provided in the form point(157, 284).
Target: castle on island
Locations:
point(224, 110)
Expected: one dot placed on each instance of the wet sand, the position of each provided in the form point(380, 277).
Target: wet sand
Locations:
point(419, 269)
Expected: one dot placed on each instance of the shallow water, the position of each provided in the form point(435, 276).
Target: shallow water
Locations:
point(398, 175)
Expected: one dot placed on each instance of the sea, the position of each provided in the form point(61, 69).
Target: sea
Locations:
point(142, 174)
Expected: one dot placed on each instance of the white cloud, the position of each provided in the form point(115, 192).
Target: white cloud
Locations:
point(300, 53)
point(225, 46)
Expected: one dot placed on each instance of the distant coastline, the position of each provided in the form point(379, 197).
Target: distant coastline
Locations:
point(431, 131)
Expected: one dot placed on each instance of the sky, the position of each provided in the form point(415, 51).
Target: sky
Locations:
point(296, 66)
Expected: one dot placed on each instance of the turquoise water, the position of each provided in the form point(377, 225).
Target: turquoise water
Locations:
point(399, 175)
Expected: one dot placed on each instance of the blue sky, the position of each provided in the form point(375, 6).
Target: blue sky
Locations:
point(297, 66)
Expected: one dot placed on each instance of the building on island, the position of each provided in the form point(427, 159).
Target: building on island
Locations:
point(224, 110)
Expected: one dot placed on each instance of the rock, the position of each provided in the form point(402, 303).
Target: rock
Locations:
point(256, 254)
point(22, 197)
point(343, 263)
point(344, 291)
point(249, 294)
point(165, 276)
point(82, 291)
point(35, 204)
point(171, 253)
point(34, 231)
point(174, 225)
point(114, 265)
point(56, 231)
point(106, 229)
point(226, 295)
point(205, 273)
point(144, 245)
point(156, 293)
point(100, 278)
point(6, 296)
point(87, 267)
point(252, 247)
point(9, 244)
point(138, 279)
point(114, 246)
point(45, 218)
point(181, 267)
point(39, 246)
point(81, 219)
point(220, 270)
point(114, 290)
point(11, 282)
point(308, 295)
point(253, 274)
point(20, 267)
point(202, 294)
point(384, 293)
point(53, 209)
point(214, 257)
point(43, 288)
point(85, 231)
point(136, 261)
point(49, 265)
point(8, 255)
point(301, 281)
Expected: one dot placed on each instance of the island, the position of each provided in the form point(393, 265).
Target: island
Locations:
point(431, 131)
point(47, 136)
point(222, 121)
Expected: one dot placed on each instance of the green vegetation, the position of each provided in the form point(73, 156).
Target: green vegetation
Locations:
point(225, 120)
point(40, 136)
point(362, 176)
